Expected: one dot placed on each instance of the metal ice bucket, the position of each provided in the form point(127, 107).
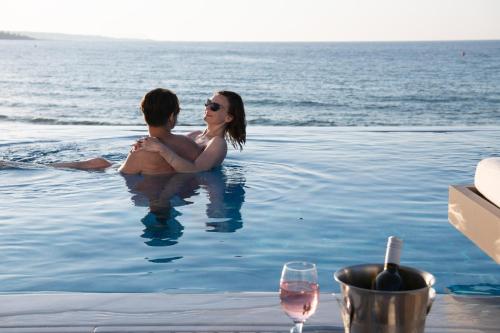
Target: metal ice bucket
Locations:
point(371, 311)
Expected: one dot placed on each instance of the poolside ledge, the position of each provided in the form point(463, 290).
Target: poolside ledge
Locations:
point(227, 312)
point(475, 217)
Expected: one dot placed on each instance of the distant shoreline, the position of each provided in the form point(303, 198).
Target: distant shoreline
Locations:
point(4, 35)
point(29, 35)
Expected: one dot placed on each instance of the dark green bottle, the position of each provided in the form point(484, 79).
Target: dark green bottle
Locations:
point(389, 279)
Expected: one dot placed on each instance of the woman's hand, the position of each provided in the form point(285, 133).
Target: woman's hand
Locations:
point(151, 144)
point(136, 146)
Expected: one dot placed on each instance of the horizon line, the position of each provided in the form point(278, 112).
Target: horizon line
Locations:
point(252, 41)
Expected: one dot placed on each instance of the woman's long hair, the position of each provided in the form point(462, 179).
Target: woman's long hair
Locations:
point(235, 131)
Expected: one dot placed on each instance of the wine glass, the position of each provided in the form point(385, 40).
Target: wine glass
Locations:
point(299, 292)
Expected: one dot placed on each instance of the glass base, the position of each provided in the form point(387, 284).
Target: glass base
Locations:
point(297, 328)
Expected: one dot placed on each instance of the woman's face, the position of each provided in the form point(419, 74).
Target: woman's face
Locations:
point(216, 110)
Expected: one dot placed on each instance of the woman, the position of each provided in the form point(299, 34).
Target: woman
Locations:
point(225, 118)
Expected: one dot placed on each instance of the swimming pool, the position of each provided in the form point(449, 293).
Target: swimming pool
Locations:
point(328, 195)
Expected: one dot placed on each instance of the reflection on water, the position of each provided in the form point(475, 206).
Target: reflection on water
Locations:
point(163, 193)
point(161, 230)
point(226, 196)
point(475, 289)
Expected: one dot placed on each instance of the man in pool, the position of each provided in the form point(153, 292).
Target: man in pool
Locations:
point(160, 108)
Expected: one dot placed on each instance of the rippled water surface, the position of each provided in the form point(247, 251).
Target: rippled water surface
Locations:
point(282, 84)
point(328, 195)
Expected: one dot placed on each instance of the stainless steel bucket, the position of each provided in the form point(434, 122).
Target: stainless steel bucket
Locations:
point(371, 311)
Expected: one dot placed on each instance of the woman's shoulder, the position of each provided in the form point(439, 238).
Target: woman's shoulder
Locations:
point(215, 151)
point(218, 141)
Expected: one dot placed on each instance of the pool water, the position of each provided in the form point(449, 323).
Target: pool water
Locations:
point(327, 195)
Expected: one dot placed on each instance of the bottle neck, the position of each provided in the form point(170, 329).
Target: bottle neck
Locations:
point(391, 267)
point(392, 254)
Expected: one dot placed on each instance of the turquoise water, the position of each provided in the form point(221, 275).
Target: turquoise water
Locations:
point(323, 194)
point(348, 143)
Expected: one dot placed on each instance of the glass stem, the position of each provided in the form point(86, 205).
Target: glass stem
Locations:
point(298, 327)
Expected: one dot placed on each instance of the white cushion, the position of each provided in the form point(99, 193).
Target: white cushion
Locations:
point(487, 179)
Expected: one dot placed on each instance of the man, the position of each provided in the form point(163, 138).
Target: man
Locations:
point(160, 108)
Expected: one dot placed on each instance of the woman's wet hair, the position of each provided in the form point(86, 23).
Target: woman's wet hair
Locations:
point(235, 130)
point(158, 106)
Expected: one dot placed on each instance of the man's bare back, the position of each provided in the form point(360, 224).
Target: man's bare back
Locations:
point(140, 161)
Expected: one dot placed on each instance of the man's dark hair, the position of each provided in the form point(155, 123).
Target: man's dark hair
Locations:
point(158, 106)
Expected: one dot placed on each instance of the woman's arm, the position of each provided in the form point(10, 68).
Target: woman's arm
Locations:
point(194, 134)
point(212, 156)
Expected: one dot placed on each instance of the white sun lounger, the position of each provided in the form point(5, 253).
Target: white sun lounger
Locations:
point(474, 209)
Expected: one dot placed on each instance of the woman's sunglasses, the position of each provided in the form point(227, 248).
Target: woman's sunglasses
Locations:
point(212, 105)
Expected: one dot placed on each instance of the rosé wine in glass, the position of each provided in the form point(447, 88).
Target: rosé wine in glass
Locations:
point(299, 299)
point(299, 292)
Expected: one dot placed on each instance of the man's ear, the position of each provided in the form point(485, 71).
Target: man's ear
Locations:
point(228, 118)
point(172, 120)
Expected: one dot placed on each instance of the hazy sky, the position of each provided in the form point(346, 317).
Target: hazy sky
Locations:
point(258, 20)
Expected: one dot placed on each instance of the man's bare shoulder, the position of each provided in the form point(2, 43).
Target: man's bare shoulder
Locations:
point(132, 164)
point(153, 163)
point(141, 161)
point(143, 155)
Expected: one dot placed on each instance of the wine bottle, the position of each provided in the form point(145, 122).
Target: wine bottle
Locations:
point(389, 279)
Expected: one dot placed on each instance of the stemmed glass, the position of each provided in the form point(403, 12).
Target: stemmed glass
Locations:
point(299, 291)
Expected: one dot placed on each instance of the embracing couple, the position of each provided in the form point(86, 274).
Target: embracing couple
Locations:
point(165, 152)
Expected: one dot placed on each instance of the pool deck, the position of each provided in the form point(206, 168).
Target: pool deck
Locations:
point(224, 312)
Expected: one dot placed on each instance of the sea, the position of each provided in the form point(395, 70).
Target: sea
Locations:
point(347, 144)
point(282, 84)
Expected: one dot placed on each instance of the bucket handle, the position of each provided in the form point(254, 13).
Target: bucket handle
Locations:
point(346, 309)
point(432, 297)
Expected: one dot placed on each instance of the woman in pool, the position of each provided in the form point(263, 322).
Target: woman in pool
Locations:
point(225, 119)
